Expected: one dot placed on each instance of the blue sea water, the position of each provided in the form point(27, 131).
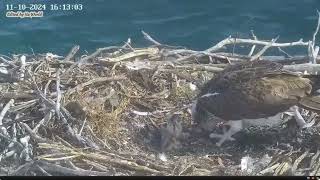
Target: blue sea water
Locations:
point(193, 24)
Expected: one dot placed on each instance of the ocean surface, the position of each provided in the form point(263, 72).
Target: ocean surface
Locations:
point(193, 24)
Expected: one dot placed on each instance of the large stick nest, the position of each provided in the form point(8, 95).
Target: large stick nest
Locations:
point(109, 113)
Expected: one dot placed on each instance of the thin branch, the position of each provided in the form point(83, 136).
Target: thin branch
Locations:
point(5, 110)
point(58, 94)
point(231, 40)
point(149, 38)
point(33, 134)
point(93, 81)
point(317, 29)
point(256, 56)
point(72, 53)
point(53, 168)
point(254, 46)
point(287, 54)
point(313, 50)
point(8, 62)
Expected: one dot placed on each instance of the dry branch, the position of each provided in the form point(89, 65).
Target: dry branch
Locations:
point(72, 53)
point(231, 40)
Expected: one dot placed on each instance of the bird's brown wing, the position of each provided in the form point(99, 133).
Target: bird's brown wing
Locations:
point(259, 97)
point(238, 73)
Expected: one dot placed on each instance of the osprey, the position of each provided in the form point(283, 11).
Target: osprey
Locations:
point(254, 90)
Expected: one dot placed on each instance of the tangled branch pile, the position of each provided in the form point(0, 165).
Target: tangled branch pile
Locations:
point(102, 114)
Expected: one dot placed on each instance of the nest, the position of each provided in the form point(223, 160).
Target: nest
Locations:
point(110, 113)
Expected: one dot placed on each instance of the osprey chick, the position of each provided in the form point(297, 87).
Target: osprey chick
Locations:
point(254, 90)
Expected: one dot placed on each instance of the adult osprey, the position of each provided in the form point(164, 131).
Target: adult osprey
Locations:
point(254, 90)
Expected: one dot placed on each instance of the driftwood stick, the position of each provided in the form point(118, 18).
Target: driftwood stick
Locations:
point(72, 53)
point(93, 55)
point(8, 62)
point(148, 37)
point(97, 52)
point(124, 163)
point(22, 67)
point(317, 29)
point(59, 95)
point(256, 56)
point(131, 55)
point(199, 68)
point(287, 54)
point(93, 81)
point(231, 40)
point(313, 50)
point(33, 134)
point(309, 68)
point(57, 169)
point(23, 169)
point(43, 171)
point(5, 110)
point(128, 44)
point(254, 46)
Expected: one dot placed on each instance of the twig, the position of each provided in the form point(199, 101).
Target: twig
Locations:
point(8, 62)
point(287, 55)
point(23, 169)
point(298, 160)
point(93, 81)
point(93, 55)
point(96, 165)
point(254, 46)
point(53, 168)
point(84, 122)
point(58, 94)
point(200, 68)
point(72, 53)
point(317, 29)
point(5, 110)
point(148, 37)
point(128, 44)
point(313, 50)
point(22, 67)
point(99, 51)
point(43, 171)
point(123, 163)
point(33, 134)
point(256, 56)
point(131, 55)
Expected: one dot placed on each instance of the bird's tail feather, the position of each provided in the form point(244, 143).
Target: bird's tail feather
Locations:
point(311, 103)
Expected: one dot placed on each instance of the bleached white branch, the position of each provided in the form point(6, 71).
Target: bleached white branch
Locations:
point(254, 46)
point(313, 50)
point(22, 67)
point(306, 67)
point(231, 40)
point(149, 38)
point(317, 29)
point(256, 56)
point(58, 94)
point(5, 110)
